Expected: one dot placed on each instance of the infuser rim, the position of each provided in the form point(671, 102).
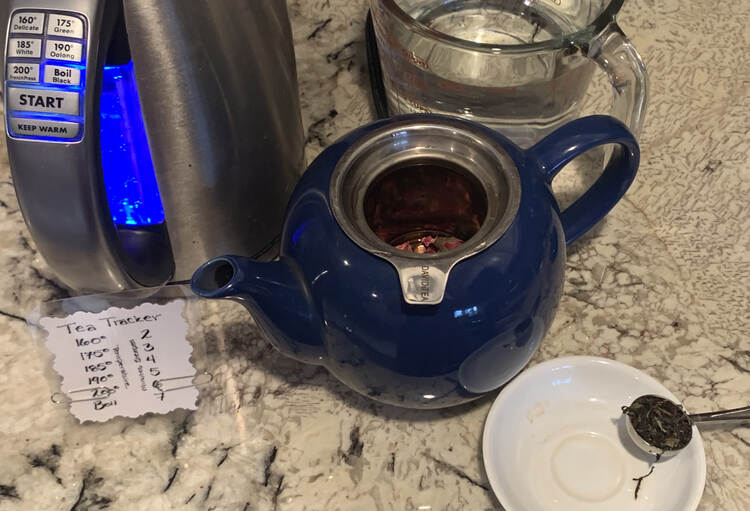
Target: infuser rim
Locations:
point(582, 36)
point(474, 148)
point(494, 225)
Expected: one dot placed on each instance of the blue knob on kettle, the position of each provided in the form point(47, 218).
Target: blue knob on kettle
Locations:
point(422, 257)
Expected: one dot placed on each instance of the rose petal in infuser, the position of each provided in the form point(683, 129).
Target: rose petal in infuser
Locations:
point(428, 240)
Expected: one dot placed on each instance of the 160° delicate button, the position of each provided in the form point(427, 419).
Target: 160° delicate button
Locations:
point(27, 23)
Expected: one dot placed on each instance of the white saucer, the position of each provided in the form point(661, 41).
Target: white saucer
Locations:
point(555, 440)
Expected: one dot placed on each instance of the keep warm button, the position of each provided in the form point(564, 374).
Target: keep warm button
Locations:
point(45, 101)
point(44, 128)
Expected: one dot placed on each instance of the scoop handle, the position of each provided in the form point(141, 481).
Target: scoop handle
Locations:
point(733, 416)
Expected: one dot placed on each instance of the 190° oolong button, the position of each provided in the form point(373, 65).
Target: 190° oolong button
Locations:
point(64, 50)
point(27, 23)
point(44, 128)
point(68, 26)
point(43, 101)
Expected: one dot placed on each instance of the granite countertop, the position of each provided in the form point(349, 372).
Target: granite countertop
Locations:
point(663, 284)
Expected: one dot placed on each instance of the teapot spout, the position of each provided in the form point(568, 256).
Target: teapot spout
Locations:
point(275, 295)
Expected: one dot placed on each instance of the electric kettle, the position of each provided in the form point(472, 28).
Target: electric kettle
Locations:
point(145, 137)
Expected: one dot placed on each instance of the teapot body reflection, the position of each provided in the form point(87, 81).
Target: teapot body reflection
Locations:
point(422, 257)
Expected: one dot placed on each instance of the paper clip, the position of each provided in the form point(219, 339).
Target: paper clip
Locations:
point(202, 379)
point(60, 397)
point(104, 392)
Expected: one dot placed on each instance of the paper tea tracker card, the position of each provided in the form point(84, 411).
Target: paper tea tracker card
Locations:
point(123, 362)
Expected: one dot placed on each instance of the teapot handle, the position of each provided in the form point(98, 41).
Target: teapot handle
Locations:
point(575, 138)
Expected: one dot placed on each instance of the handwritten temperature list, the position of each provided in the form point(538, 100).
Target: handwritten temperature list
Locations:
point(123, 362)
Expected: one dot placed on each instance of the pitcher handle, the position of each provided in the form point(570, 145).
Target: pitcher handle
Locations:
point(566, 143)
point(617, 56)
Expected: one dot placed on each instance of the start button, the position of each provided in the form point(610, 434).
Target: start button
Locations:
point(43, 101)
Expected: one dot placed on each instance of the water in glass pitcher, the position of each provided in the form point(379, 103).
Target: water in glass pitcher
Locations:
point(524, 95)
point(493, 21)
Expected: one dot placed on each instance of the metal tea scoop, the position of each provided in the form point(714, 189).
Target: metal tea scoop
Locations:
point(663, 428)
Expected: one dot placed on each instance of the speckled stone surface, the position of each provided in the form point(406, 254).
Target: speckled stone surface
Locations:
point(662, 284)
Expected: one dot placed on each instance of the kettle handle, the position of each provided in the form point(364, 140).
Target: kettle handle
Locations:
point(575, 138)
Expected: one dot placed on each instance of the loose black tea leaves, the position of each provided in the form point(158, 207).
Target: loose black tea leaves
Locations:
point(640, 480)
point(660, 422)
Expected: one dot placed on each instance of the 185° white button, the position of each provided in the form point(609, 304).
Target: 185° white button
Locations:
point(24, 47)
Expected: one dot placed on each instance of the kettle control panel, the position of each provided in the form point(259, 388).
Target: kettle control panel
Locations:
point(45, 75)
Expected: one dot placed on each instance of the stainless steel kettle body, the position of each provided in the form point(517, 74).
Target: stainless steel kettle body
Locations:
point(217, 100)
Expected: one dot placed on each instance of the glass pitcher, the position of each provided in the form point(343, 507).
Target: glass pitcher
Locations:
point(521, 67)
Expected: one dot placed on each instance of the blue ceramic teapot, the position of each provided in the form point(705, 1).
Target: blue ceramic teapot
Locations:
point(422, 257)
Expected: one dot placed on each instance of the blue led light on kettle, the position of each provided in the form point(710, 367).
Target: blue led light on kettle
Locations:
point(128, 170)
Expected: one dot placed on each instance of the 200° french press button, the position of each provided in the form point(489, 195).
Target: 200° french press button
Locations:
point(22, 72)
